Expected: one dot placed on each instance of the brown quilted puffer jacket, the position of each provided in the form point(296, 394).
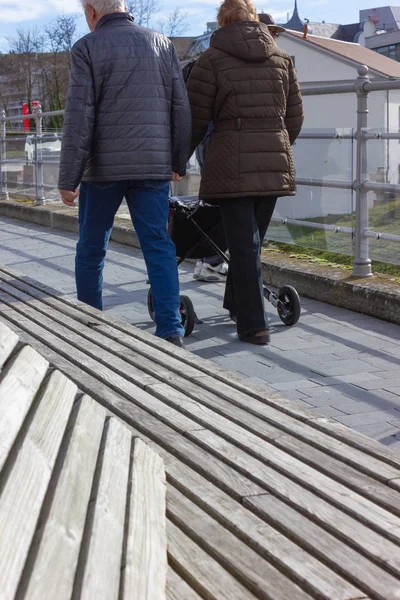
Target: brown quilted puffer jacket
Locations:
point(248, 87)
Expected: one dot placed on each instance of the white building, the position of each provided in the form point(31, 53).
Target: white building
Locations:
point(321, 60)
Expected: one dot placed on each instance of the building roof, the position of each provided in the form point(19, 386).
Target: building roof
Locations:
point(329, 30)
point(348, 33)
point(295, 23)
point(354, 52)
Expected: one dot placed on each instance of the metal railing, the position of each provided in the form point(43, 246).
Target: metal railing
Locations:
point(361, 233)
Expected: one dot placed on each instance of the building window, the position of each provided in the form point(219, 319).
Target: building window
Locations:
point(293, 61)
point(391, 51)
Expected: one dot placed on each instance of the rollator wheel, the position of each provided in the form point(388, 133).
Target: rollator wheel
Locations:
point(188, 315)
point(290, 312)
point(186, 309)
point(150, 305)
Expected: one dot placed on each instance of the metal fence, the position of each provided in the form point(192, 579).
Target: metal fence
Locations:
point(359, 232)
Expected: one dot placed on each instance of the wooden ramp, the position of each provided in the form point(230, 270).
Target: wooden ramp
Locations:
point(82, 503)
point(264, 499)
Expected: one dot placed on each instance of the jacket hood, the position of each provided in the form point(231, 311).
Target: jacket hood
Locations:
point(248, 40)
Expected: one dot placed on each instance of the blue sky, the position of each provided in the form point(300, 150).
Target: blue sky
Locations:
point(26, 14)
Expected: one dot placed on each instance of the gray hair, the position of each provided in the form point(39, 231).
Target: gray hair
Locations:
point(104, 7)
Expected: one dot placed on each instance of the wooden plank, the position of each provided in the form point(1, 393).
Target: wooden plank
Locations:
point(96, 329)
point(254, 572)
point(306, 431)
point(18, 387)
point(245, 525)
point(351, 477)
point(90, 365)
point(102, 569)
point(187, 451)
point(326, 547)
point(201, 571)
point(336, 493)
point(145, 569)
point(58, 550)
point(23, 494)
point(8, 341)
point(359, 536)
point(42, 318)
point(356, 440)
point(178, 589)
point(333, 467)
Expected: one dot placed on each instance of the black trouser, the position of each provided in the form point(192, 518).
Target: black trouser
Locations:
point(246, 222)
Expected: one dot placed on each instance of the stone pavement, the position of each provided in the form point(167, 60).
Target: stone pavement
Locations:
point(335, 362)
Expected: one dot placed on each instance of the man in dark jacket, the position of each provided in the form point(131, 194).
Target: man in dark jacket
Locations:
point(126, 134)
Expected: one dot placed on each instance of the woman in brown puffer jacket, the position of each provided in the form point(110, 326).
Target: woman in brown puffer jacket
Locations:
point(248, 88)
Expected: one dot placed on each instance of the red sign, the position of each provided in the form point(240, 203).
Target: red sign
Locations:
point(25, 111)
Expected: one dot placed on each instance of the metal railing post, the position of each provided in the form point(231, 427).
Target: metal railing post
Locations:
point(3, 157)
point(40, 199)
point(362, 262)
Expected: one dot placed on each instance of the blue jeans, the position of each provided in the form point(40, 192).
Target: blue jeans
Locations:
point(148, 206)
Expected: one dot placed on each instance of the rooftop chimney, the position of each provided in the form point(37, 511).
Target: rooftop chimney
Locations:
point(305, 32)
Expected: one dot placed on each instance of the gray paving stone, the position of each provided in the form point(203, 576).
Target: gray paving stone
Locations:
point(358, 408)
point(383, 432)
point(321, 399)
point(339, 367)
point(296, 395)
point(328, 411)
point(393, 390)
point(302, 384)
point(370, 418)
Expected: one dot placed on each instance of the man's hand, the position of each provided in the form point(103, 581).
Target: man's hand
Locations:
point(69, 197)
point(176, 177)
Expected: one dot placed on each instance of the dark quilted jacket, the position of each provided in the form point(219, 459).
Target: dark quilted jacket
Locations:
point(248, 87)
point(127, 114)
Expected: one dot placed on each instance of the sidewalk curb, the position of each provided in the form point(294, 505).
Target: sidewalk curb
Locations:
point(375, 296)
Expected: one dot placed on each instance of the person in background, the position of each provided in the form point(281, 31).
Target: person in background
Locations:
point(126, 134)
point(248, 88)
point(210, 268)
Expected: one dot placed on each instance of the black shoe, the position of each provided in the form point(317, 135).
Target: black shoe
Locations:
point(176, 340)
point(262, 338)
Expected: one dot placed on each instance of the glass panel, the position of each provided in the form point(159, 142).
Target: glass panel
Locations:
point(19, 170)
point(384, 207)
point(51, 150)
point(326, 160)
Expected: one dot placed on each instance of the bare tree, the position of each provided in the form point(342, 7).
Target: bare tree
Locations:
point(60, 37)
point(142, 10)
point(29, 43)
point(175, 24)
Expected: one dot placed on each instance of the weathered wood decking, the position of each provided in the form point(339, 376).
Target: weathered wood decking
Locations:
point(82, 503)
point(264, 499)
